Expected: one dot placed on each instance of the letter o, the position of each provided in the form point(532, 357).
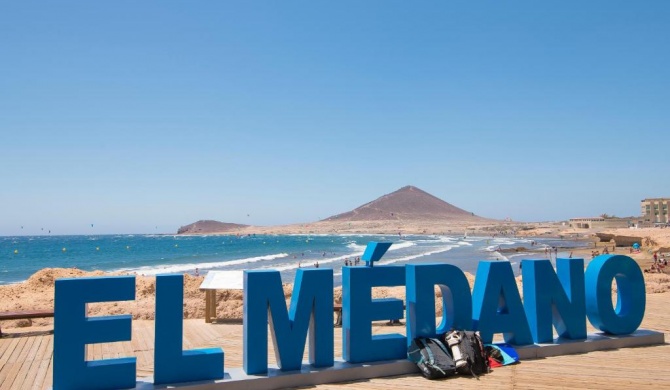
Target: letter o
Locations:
point(631, 294)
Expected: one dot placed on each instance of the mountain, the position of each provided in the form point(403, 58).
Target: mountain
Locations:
point(209, 226)
point(407, 204)
point(407, 210)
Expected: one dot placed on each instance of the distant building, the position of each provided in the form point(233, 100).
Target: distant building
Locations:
point(585, 223)
point(655, 210)
point(600, 223)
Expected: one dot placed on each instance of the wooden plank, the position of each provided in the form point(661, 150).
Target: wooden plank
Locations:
point(12, 370)
point(44, 362)
point(30, 364)
point(17, 361)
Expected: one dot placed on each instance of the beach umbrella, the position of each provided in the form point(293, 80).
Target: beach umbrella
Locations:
point(636, 246)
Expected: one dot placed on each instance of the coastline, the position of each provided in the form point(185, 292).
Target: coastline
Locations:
point(37, 292)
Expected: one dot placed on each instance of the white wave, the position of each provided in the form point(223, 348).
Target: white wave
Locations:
point(177, 268)
point(436, 240)
point(504, 241)
point(412, 257)
point(401, 245)
point(341, 258)
point(499, 256)
point(464, 243)
point(310, 263)
point(353, 246)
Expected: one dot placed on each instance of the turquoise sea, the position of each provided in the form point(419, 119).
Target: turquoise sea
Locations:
point(22, 256)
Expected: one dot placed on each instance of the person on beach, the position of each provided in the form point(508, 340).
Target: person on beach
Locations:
point(197, 272)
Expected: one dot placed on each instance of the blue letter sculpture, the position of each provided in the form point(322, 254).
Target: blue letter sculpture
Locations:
point(374, 252)
point(73, 330)
point(359, 310)
point(456, 299)
point(497, 305)
point(312, 297)
point(171, 364)
point(631, 298)
point(554, 299)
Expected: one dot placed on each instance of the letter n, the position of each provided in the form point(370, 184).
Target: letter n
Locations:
point(554, 299)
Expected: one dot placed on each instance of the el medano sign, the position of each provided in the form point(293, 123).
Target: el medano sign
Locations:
point(560, 300)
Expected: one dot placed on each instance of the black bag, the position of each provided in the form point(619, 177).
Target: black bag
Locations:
point(432, 357)
point(470, 356)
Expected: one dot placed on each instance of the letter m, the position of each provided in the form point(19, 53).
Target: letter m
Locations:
point(311, 311)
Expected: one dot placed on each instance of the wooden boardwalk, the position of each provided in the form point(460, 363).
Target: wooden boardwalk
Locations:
point(26, 359)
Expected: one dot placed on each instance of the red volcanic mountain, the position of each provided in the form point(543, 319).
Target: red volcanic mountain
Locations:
point(406, 204)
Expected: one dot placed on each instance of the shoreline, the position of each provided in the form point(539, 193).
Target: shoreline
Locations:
point(152, 254)
point(37, 291)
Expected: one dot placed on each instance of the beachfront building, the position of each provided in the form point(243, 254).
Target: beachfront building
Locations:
point(600, 223)
point(585, 223)
point(655, 210)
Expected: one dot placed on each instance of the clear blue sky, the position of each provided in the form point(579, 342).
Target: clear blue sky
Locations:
point(139, 117)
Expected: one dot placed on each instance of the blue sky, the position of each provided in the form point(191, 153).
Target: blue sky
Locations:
point(139, 117)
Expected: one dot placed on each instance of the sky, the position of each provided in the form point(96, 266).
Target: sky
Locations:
point(140, 117)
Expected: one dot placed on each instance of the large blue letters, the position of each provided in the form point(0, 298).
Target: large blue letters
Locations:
point(554, 299)
point(171, 364)
point(497, 305)
point(311, 308)
point(456, 299)
point(359, 310)
point(73, 330)
point(559, 300)
point(631, 294)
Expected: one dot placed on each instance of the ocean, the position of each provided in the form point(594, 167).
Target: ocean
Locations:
point(22, 256)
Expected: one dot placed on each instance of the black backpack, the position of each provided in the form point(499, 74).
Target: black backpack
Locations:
point(473, 359)
point(432, 357)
